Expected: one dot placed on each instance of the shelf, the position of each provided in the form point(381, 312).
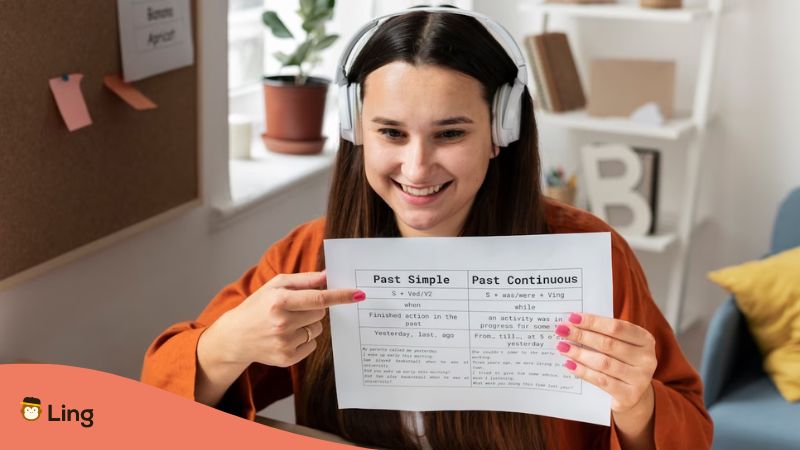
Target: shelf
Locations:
point(683, 128)
point(666, 236)
point(673, 129)
point(622, 11)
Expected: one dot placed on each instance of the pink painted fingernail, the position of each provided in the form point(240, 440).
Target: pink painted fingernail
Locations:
point(562, 330)
point(575, 318)
point(359, 296)
point(570, 364)
point(563, 347)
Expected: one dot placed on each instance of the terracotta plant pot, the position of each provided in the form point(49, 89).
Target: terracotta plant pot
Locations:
point(294, 114)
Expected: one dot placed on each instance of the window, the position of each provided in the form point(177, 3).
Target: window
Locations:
point(245, 57)
point(250, 49)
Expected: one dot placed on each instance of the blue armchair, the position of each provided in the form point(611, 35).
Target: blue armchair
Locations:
point(747, 409)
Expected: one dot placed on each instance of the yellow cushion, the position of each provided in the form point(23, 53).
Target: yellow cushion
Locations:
point(768, 294)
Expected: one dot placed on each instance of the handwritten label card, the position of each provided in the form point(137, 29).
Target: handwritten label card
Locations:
point(155, 35)
point(69, 98)
point(467, 323)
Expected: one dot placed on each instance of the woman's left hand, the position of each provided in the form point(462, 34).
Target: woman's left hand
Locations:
point(617, 356)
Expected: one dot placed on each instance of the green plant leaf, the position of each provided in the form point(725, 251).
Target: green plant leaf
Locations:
point(282, 57)
point(307, 7)
point(325, 5)
point(275, 24)
point(317, 33)
point(325, 42)
point(314, 58)
point(316, 19)
point(299, 55)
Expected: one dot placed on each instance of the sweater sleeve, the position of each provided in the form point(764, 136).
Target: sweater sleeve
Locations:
point(681, 420)
point(171, 360)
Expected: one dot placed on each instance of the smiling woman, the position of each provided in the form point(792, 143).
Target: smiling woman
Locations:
point(427, 146)
point(438, 139)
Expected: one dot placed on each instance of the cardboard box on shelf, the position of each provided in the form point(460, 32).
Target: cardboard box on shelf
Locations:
point(617, 87)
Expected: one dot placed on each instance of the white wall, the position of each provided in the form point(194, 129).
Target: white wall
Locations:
point(753, 158)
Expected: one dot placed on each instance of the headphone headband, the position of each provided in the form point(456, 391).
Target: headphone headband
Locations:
point(498, 31)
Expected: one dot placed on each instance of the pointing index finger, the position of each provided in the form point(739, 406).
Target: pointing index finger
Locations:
point(302, 280)
point(312, 299)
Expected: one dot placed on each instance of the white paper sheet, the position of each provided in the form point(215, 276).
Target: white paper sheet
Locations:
point(155, 36)
point(466, 323)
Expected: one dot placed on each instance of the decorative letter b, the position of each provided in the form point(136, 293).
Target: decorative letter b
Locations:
point(619, 190)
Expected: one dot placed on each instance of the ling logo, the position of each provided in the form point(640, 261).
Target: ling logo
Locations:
point(31, 408)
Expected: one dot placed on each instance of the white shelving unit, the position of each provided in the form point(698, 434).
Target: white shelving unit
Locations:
point(688, 129)
point(673, 129)
point(623, 11)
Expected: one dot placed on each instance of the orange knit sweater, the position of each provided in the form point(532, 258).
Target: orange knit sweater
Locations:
point(681, 420)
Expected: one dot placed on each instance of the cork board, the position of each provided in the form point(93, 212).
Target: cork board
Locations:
point(61, 191)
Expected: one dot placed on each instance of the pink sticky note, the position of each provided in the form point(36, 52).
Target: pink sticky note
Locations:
point(127, 92)
point(69, 99)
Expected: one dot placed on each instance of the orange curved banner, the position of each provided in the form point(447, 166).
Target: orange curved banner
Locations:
point(56, 406)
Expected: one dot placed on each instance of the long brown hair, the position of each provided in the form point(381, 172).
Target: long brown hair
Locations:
point(507, 203)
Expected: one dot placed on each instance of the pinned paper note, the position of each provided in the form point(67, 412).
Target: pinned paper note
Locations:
point(128, 92)
point(155, 36)
point(69, 98)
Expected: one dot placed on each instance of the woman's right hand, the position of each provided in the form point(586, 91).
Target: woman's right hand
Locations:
point(268, 326)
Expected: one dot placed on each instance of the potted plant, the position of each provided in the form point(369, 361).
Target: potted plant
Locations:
point(295, 104)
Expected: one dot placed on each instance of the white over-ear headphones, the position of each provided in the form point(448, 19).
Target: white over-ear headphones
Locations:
point(507, 103)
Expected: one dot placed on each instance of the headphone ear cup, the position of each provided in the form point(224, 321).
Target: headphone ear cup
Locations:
point(345, 113)
point(355, 103)
point(350, 113)
point(512, 117)
point(499, 134)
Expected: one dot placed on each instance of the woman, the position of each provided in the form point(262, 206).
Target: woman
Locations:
point(427, 164)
